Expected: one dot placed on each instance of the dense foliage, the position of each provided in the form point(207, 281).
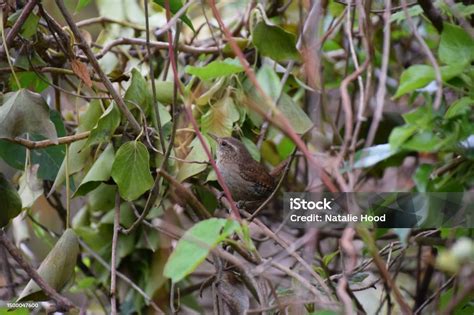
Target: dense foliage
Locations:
point(105, 116)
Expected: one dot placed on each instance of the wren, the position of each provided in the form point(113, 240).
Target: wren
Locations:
point(248, 181)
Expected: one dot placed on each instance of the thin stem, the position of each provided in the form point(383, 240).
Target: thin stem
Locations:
point(5, 45)
point(113, 259)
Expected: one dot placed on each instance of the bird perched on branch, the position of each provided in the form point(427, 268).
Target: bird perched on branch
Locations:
point(249, 181)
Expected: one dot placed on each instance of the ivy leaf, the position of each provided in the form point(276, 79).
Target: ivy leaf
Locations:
point(10, 201)
point(175, 6)
point(196, 244)
point(99, 172)
point(23, 112)
point(216, 69)
point(49, 158)
point(220, 118)
point(105, 128)
point(274, 42)
point(456, 45)
point(197, 154)
point(295, 115)
point(419, 76)
point(131, 170)
point(138, 92)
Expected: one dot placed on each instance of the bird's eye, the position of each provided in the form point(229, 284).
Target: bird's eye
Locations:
point(224, 143)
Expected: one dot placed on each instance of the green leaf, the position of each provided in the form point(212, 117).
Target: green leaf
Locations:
point(175, 6)
point(49, 159)
point(131, 170)
point(401, 134)
point(425, 141)
point(25, 112)
point(105, 128)
point(197, 154)
point(400, 16)
point(368, 157)
point(164, 92)
point(419, 76)
point(99, 172)
point(295, 115)
point(459, 107)
point(274, 42)
point(216, 69)
point(10, 201)
point(30, 26)
point(78, 154)
point(252, 148)
point(195, 245)
point(29, 80)
point(81, 4)
point(456, 45)
point(413, 78)
point(138, 93)
point(56, 269)
point(269, 82)
point(220, 117)
point(422, 177)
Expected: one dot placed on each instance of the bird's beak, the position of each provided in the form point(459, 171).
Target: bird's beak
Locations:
point(213, 136)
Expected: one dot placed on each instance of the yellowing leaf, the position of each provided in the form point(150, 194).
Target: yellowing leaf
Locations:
point(220, 118)
point(197, 154)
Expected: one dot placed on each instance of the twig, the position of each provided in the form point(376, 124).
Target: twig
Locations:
point(62, 302)
point(126, 279)
point(32, 145)
point(296, 276)
point(434, 295)
point(105, 19)
point(172, 20)
point(152, 78)
point(364, 232)
point(429, 54)
point(113, 259)
point(432, 14)
point(380, 97)
point(95, 64)
point(156, 45)
point(280, 182)
point(18, 24)
point(184, 193)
